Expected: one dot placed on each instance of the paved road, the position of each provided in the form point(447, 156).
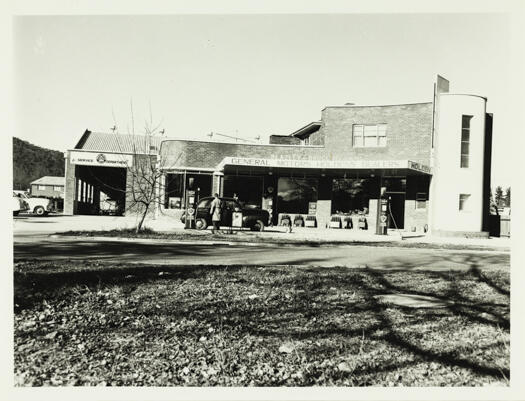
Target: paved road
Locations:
point(32, 240)
point(147, 252)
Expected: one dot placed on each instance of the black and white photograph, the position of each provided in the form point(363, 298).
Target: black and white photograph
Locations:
point(313, 202)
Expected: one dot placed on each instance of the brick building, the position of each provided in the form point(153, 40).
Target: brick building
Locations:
point(431, 161)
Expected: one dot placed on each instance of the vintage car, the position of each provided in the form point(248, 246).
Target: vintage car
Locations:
point(38, 206)
point(110, 207)
point(253, 218)
point(18, 204)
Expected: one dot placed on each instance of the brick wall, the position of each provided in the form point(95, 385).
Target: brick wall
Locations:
point(416, 218)
point(408, 138)
point(195, 154)
point(69, 190)
point(409, 129)
point(138, 179)
point(284, 140)
point(317, 138)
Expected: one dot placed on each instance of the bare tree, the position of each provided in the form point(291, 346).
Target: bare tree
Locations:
point(145, 184)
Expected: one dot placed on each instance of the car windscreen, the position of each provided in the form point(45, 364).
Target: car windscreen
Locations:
point(204, 203)
point(230, 204)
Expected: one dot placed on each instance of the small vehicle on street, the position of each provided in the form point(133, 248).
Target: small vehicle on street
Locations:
point(253, 218)
point(18, 204)
point(109, 207)
point(38, 206)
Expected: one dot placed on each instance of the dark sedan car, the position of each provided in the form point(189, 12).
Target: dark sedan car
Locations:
point(253, 218)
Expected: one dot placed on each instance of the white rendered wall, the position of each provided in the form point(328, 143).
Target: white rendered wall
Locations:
point(449, 180)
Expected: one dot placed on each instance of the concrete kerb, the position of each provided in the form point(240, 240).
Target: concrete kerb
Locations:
point(221, 242)
point(209, 242)
point(163, 240)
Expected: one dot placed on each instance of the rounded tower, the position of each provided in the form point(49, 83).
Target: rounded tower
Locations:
point(459, 173)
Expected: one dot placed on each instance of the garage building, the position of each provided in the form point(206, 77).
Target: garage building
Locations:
point(430, 160)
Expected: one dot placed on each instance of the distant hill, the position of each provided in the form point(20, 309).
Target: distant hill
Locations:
point(31, 162)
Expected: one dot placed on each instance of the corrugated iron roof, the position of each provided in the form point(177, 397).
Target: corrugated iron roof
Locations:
point(50, 180)
point(120, 143)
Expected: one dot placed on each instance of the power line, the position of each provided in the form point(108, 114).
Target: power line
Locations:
point(231, 137)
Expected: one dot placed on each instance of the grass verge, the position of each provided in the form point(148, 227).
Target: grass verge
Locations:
point(263, 238)
point(116, 325)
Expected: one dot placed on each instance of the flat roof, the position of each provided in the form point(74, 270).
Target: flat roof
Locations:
point(377, 105)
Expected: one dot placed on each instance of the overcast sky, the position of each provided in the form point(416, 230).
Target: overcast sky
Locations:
point(247, 75)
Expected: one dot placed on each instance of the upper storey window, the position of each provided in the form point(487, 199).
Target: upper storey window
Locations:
point(369, 136)
point(465, 140)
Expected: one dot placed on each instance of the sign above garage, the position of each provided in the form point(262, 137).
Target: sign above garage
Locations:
point(101, 159)
point(325, 164)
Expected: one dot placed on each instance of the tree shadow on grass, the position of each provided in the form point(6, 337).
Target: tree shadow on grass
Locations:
point(342, 300)
point(462, 306)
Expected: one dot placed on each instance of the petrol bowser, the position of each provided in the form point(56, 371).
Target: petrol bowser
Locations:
point(270, 212)
point(382, 214)
point(191, 203)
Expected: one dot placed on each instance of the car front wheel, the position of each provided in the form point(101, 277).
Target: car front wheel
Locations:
point(200, 224)
point(40, 211)
point(257, 226)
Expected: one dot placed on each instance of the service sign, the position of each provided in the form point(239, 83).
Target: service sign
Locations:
point(101, 159)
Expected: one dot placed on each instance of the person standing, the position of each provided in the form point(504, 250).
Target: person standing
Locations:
point(215, 211)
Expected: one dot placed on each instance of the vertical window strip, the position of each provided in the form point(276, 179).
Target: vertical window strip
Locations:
point(465, 141)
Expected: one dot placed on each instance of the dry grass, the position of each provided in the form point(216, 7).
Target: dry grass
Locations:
point(99, 324)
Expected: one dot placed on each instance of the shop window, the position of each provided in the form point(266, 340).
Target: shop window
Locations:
point(41, 187)
point(352, 195)
point(465, 141)
point(249, 190)
point(394, 184)
point(464, 202)
point(369, 136)
point(173, 191)
point(421, 200)
point(294, 194)
point(58, 189)
point(200, 183)
point(175, 187)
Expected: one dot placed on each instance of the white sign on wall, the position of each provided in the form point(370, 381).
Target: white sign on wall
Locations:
point(325, 164)
point(101, 159)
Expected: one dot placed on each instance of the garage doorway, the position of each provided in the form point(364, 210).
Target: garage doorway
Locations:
point(100, 190)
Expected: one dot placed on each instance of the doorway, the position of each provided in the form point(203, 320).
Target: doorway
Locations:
point(397, 210)
point(100, 190)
